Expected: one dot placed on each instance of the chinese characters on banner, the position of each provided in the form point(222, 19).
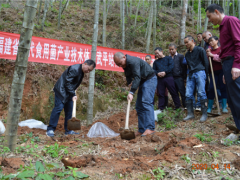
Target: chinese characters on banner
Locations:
point(53, 51)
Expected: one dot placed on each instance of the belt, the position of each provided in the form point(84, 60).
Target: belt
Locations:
point(226, 58)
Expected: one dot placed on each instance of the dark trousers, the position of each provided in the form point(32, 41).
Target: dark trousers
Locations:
point(161, 86)
point(180, 87)
point(218, 75)
point(59, 106)
point(233, 90)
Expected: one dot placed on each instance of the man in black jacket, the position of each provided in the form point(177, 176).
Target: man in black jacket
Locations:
point(65, 94)
point(198, 65)
point(163, 67)
point(140, 75)
point(179, 71)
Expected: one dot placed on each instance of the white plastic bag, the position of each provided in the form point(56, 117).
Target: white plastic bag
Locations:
point(156, 113)
point(32, 123)
point(2, 127)
point(101, 130)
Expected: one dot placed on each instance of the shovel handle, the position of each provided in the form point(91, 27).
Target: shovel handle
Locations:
point(127, 116)
point(214, 85)
point(74, 108)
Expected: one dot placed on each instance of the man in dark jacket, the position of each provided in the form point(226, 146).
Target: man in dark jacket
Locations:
point(140, 75)
point(179, 71)
point(163, 67)
point(65, 94)
point(198, 65)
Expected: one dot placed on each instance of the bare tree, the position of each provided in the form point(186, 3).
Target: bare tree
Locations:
point(149, 28)
point(20, 74)
point(39, 11)
point(130, 8)
point(104, 22)
point(135, 21)
point(65, 6)
point(123, 24)
point(183, 22)
point(46, 6)
point(59, 13)
point(206, 18)
point(154, 22)
point(93, 57)
point(238, 9)
point(233, 4)
point(199, 24)
point(192, 13)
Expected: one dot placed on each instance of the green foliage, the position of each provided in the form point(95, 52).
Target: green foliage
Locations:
point(54, 150)
point(4, 149)
point(18, 23)
point(215, 154)
point(204, 137)
point(47, 24)
point(228, 142)
point(186, 158)
point(6, 6)
point(159, 173)
point(168, 117)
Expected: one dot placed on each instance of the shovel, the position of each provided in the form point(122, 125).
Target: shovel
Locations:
point(74, 123)
point(127, 133)
point(215, 90)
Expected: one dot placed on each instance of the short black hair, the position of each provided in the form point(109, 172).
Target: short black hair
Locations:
point(199, 33)
point(90, 62)
point(211, 8)
point(158, 48)
point(190, 38)
point(213, 37)
point(148, 56)
point(172, 44)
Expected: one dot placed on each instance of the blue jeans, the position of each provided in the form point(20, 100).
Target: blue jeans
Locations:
point(68, 107)
point(144, 105)
point(233, 90)
point(198, 103)
point(198, 79)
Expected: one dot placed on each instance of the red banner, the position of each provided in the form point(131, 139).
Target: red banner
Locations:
point(59, 52)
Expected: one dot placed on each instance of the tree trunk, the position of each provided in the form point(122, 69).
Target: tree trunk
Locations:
point(199, 17)
point(51, 4)
point(46, 5)
point(123, 25)
point(20, 74)
point(238, 9)
point(234, 13)
point(193, 13)
point(183, 22)
point(154, 23)
point(149, 17)
point(104, 22)
point(227, 3)
point(39, 11)
point(130, 11)
point(126, 7)
point(65, 6)
point(135, 21)
point(92, 73)
point(149, 28)
point(59, 13)
point(206, 18)
point(172, 5)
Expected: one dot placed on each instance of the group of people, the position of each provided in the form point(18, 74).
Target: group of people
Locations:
point(168, 73)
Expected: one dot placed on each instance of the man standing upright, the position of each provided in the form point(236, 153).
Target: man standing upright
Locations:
point(140, 75)
point(198, 68)
point(163, 67)
point(230, 55)
point(65, 94)
point(179, 71)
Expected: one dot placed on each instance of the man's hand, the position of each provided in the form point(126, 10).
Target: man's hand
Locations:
point(161, 74)
point(224, 82)
point(130, 97)
point(74, 98)
point(235, 73)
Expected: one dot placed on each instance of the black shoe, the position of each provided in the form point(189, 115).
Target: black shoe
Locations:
point(190, 113)
point(204, 110)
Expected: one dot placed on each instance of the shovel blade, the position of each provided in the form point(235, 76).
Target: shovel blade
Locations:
point(127, 134)
point(74, 124)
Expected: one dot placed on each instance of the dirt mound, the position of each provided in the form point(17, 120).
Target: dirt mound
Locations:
point(236, 163)
point(10, 165)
